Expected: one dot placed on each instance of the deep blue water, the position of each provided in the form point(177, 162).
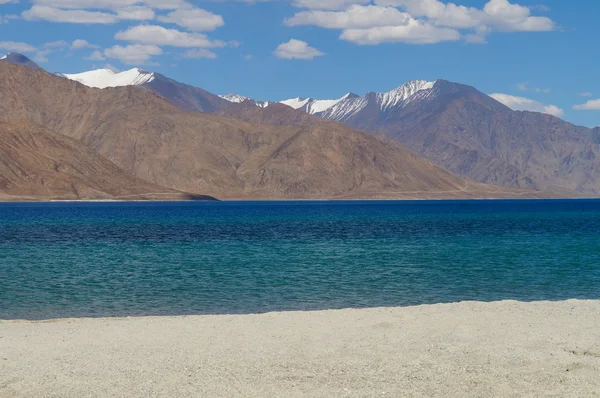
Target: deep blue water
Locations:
point(121, 259)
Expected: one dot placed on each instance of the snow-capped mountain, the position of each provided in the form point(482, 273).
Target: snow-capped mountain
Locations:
point(182, 95)
point(350, 104)
point(313, 106)
point(238, 99)
point(19, 59)
point(103, 78)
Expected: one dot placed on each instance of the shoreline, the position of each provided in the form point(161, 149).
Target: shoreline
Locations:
point(500, 349)
point(290, 312)
point(300, 200)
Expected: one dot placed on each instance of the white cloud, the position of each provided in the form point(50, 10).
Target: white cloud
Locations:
point(138, 13)
point(591, 105)
point(375, 24)
point(161, 36)
point(355, 17)
point(499, 14)
point(327, 4)
point(417, 21)
point(585, 94)
point(248, 57)
point(17, 47)
point(194, 19)
point(96, 56)
point(72, 16)
point(296, 49)
point(522, 86)
point(101, 11)
point(133, 54)
point(79, 44)
point(199, 53)
point(112, 4)
point(526, 104)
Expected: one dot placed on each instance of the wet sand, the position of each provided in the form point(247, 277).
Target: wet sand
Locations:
point(471, 349)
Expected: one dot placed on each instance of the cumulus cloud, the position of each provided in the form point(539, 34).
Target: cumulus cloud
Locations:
point(417, 21)
point(112, 11)
point(355, 17)
point(499, 14)
point(328, 4)
point(79, 44)
point(133, 54)
point(194, 19)
point(415, 32)
point(375, 24)
point(96, 56)
point(72, 16)
point(112, 4)
point(591, 105)
point(297, 49)
point(161, 36)
point(138, 13)
point(17, 47)
point(526, 104)
point(585, 94)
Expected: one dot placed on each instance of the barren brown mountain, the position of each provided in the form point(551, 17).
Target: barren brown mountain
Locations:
point(275, 114)
point(473, 135)
point(193, 152)
point(38, 164)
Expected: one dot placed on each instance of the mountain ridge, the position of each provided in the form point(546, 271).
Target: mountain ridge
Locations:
point(151, 139)
point(37, 164)
point(453, 125)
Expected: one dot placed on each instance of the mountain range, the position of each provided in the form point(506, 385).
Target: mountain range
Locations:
point(153, 140)
point(453, 125)
point(162, 131)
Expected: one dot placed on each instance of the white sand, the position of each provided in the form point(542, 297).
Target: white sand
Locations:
point(504, 349)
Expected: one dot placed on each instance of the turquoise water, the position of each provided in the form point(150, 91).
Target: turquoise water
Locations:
point(120, 259)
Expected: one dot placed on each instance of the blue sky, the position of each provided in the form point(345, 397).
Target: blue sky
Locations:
point(532, 54)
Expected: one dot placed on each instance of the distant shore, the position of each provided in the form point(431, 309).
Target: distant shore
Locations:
point(501, 349)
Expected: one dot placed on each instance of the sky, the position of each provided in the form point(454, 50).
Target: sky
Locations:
point(539, 55)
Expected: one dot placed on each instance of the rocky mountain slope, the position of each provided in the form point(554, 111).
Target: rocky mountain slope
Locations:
point(181, 95)
point(19, 59)
point(469, 133)
point(194, 152)
point(36, 163)
point(473, 135)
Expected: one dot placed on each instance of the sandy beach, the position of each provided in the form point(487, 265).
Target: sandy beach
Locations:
point(471, 349)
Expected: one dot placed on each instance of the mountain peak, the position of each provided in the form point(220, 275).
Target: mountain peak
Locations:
point(19, 59)
point(235, 98)
point(103, 78)
point(400, 95)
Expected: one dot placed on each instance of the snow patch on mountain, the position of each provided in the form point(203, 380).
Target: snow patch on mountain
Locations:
point(103, 78)
point(401, 95)
point(314, 106)
point(238, 99)
point(397, 98)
